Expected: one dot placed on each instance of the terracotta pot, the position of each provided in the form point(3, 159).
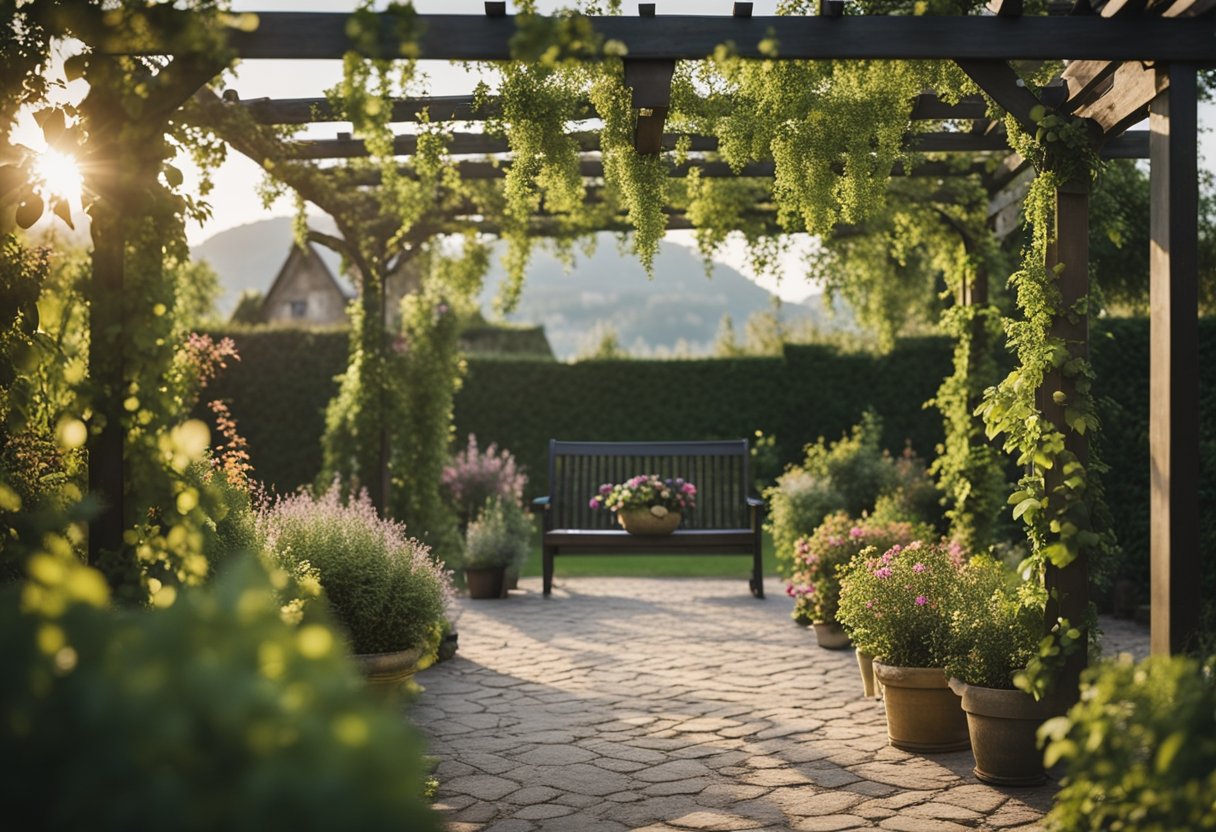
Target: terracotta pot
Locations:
point(830, 636)
point(388, 674)
point(485, 583)
point(865, 663)
point(923, 714)
point(1003, 726)
point(641, 521)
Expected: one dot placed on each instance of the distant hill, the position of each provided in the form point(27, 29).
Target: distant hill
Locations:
point(681, 306)
point(610, 289)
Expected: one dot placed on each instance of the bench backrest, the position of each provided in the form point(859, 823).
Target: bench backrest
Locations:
point(718, 469)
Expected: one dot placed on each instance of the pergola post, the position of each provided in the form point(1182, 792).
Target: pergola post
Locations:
point(107, 465)
point(1068, 587)
point(1173, 371)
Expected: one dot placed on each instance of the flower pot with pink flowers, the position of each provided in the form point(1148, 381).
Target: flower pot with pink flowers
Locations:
point(898, 606)
point(647, 504)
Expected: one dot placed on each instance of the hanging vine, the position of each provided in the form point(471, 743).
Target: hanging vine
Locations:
point(1059, 499)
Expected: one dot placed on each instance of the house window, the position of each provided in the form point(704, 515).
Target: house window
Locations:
point(299, 308)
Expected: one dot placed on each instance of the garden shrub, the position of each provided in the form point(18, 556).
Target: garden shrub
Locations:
point(897, 605)
point(384, 589)
point(815, 584)
point(501, 535)
point(474, 476)
point(1139, 749)
point(995, 632)
point(211, 714)
point(279, 390)
point(849, 475)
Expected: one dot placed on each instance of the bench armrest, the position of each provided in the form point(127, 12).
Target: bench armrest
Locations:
point(756, 503)
point(540, 504)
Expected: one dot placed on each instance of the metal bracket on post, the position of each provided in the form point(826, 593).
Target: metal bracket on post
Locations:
point(650, 81)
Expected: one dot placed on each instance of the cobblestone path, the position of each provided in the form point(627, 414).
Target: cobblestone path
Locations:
point(665, 704)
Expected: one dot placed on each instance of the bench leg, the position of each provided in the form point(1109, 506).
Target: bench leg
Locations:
point(548, 567)
point(757, 581)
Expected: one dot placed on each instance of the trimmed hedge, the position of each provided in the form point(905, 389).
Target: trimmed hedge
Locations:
point(279, 390)
point(810, 392)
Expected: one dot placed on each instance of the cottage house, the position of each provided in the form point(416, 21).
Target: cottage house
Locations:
point(305, 292)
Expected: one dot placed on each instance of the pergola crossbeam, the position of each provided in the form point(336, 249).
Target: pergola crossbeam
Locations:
point(319, 35)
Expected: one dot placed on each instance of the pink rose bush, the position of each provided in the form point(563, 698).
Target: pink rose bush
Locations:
point(647, 491)
point(814, 584)
point(898, 604)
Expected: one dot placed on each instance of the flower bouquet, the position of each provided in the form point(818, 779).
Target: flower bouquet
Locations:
point(647, 504)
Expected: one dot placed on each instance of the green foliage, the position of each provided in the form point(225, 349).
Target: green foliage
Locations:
point(278, 393)
point(279, 389)
point(815, 582)
point(425, 377)
point(231, 528)
point(1139, 748)
point(849, 475)
point(995, 632)
point(384, 589)
point(501, 535)
point(969, 469)
point(248, 309)
point(1059, 498)
point(211, 714)
point(898, 605)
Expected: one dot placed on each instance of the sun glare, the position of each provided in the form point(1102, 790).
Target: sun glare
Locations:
point(60, 176)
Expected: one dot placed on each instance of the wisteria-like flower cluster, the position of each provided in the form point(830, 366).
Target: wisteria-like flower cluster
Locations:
point(647, 491)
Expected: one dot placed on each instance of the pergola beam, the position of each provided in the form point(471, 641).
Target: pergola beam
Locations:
point(927, 107)
point(319, 35)
point(594, 169)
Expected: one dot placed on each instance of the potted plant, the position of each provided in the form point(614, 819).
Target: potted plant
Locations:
point(994, 634)
point(385, 590)
point(495, 542)
point(815, 585)
point(647, 504)
point(897, 607)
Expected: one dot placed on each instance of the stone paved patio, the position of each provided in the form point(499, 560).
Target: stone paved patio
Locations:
point(664, 704)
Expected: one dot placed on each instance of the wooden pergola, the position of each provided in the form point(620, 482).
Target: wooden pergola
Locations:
point(1128, 59)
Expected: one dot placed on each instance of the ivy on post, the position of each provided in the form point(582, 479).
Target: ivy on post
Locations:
point(1067, 579)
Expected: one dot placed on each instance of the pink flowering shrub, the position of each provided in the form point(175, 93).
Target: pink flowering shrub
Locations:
point(475, 476)
point(647, 491)
point(814, 584)
point(899, 605)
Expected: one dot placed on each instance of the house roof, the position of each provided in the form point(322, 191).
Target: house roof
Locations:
point(308, 252)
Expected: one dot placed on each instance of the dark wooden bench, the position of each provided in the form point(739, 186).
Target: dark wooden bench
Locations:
point(726, 520)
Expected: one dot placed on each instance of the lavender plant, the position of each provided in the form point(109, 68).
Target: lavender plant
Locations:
point(475, 476)
point(383, 587)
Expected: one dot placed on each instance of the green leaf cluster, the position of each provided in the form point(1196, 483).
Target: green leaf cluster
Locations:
point(1139, 749)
